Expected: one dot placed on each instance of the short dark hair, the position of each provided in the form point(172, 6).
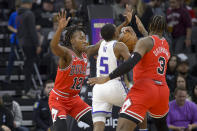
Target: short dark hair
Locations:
point(179, 89)
point(7, 100)
point(69, 33)
point(108, 32)
point(157, 24)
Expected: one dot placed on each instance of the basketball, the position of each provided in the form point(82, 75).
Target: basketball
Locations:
point(129, 39)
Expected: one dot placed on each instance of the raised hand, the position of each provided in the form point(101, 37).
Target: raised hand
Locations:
point(140, 26)
point(128, 13)
point(98, 80)
point(62, 21)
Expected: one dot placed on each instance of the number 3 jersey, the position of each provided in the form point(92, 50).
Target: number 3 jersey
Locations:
point(69, 81)
point(154, 63)
point(106, 60)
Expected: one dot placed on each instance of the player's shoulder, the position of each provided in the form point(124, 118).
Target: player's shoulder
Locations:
point(148, 41)
point(119, 45)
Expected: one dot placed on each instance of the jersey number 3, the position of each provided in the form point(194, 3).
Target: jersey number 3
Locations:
point(77, 83)
point(162, 63)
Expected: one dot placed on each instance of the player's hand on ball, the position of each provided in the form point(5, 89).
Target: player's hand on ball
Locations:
point(127, 29)
point(62, 21)
point(98, 80)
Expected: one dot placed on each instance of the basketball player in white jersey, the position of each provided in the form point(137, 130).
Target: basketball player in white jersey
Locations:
point(113, 92)
point(110, 53)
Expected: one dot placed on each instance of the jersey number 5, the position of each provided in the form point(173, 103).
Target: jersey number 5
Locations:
point(105, 65)
point(77, 83)
point(162, 63)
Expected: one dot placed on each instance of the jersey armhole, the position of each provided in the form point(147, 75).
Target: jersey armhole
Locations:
point(114, 44)
point(63, 69)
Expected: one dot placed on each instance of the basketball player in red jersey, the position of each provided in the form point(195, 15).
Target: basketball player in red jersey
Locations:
point(150, 92)
point(73, 57)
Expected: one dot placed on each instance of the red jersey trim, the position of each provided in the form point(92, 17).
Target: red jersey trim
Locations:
point(80, 114)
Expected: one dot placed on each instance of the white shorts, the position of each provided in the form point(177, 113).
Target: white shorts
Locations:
point(106, 95)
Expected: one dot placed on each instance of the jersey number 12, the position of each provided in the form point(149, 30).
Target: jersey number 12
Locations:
point(77, 83)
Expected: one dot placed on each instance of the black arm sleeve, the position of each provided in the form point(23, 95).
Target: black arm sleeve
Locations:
point(126, 66)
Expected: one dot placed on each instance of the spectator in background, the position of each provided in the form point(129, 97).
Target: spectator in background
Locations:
point(6, 118)
point(190, 10)
point(144, 12)
point(182, 114)
point(13, 42)
point(171, 69)
point(50, 58)
point(194, 94)
point(73, 12)
point(42, 115)
point(171, 74)
point(14, 107)
point(71, 7)
point(179, 25)
point(118, 9)
point(27, 37)
point(180, 81)
point(183, 70)
point(157, 7)
point(44, 14)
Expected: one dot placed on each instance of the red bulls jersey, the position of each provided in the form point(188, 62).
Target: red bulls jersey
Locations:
point(154, 63)
point(69, 81)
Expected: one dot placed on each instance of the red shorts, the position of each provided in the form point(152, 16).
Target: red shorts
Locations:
point(63, 106)
point(146, 96)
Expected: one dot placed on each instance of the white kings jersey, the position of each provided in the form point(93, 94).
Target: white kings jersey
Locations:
point(106, 60)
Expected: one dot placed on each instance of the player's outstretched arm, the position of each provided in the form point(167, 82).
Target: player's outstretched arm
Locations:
point(141, 27)
point(143, 46)
point(57, 49)
point(93, 49)
point(121, 50)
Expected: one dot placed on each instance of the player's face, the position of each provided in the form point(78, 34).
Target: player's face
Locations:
point(79, 41)
point(48, 88)
point(181, 82)
point(180, 97)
